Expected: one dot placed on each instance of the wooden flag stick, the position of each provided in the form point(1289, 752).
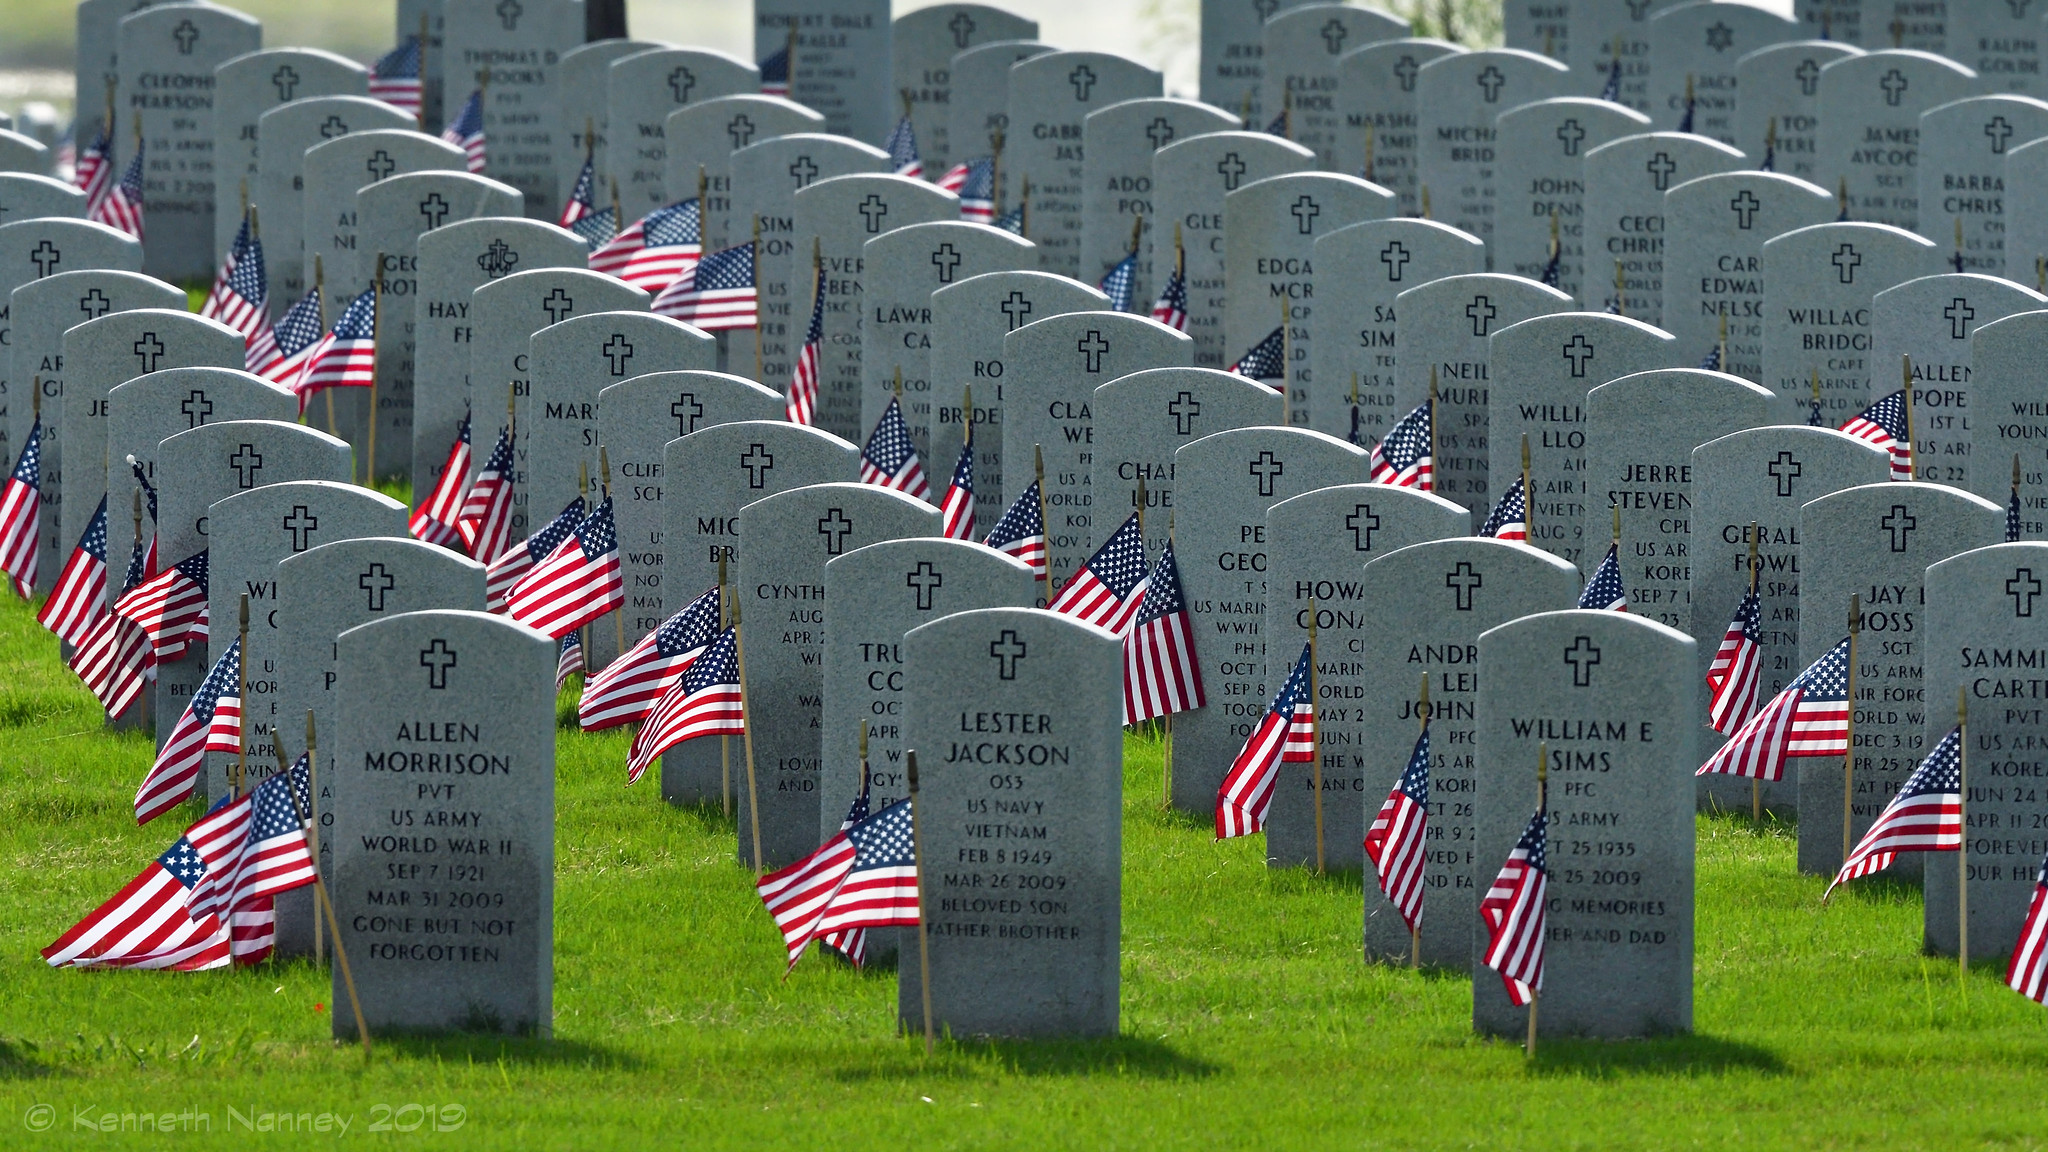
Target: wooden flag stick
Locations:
point(1369, 146)
point(590, 140)
point(753, 789)
point(724, 741)
point(604, 465)
point(1906, 386)
point(1542, 802)
point(1849, 757)
point(1038, 473)
point(376, 330)
point(1137, 230)
point(1180, 254)
point(995, 174)
point(1816, 391)
point(1722, 347)
point(1756, 786)
point(1963, 848)
point(313, 814)
point(1528, 496)
point(1415, 933)
point(1166, 752)
point(1024, 208)
point(924, 951)
point(1314, 733)
point(242, 699)
point(1141, 508)
point(1425, 202)
point(1431, 486)
point(325, 903)
point(320, 307)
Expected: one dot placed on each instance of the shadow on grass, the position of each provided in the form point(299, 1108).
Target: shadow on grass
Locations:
point(22, 1060)
point(1115, 1056)
point(1672, 1056)
point(488, 1049)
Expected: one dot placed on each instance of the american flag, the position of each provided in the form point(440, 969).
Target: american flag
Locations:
point(657, 250)
point(715, 295)
point(1685, 120)
point(1406, 458)
point(1107, 590)
point(1279, 125)
point(577, 583)
point(802, 406)
point(889, 459)
point(504, 573)
point(958, 507)
point(347, 356)
point(568, 659)
point(1611, 91)
point(1810, 717)
point(1288, 733)
point(435, 520)
point(1884, 424)
point(797, 896)
point(902, 149)
point(21, 513)
point(467, 131)
point(170, 607)
point(1925, 816)
point(1732, 677)
point(1266, 359)
point(1355, 437)
point(1161, 674)
point(1551, 273)
point(707, 701)
point(1770, 160)
point(1813, 416)
point(122, 207)
point(94, 174)
point(1021, 531)
point(1711, 362)
point(582, 200)
point(486, 518)
point(1604, 590)
point(113, 656)
point(149, 922)
point(241, 292)
point(274, 858)
point(598, 229)
point(629, 687)
point(1395, 842)
point(1509, 519)
point(775, 73)
point(880, 890)
point(278, 352)
point(1013, 220)
point(210, 723)
point(1171, 309)
point(395, 77)
point(79, 601)
point(975, 183)
point(1121, 283)
point(1514, 912)
point(852, 943)
point(2027, 974)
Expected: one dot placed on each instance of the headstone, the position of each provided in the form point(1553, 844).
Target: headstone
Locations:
point(1818, 286)
point(1962, 173)
point(1054, 366)
point(25, 196)
point(1190, 180)
point(1870, 108)
point(429, 17)
point(579, 93)
point(1751, 484)
point(1024, 967)
point(1779, 86)
point(1050, 99)
point(271, 523)
point(1316, 545)
point(1118, 143)
point(1715, 228)
point(1608, 25)
point(1906, 24)
point(1142, 419)
point(726, 467)
point(904, 267)
point(922, 47)
point(970, 320)
point(1446, 326)
point(840, 62)
point(979, 122)
point(1931, 320)
point(1695, 47)
point(1611, 697)
point(707, 133)
point(644, 89)
point(1876, 541)
point(2005, 360)
point(1833, 20)
point(1301, 72)
point(452, 261)
point(244, 89)
point(335, 170)
point(1541, 26)
point(1364, 266)
point(283, 135)
point(1626, 180)
point(1431, 602)
point(2001, 43)
point(2026, 229)
point(835, 219)
point(488, 683)
point(167, 55)
point(1538, 376)
point(1542, 176)
point(1376, 93)
point(97, 20)
point(19, 153)
point(520, 44)
point(1233, 477)
point(31, 250)
point(1457, 99)
point(1232, 51)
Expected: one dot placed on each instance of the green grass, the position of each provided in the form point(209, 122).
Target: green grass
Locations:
point(1248, 1017)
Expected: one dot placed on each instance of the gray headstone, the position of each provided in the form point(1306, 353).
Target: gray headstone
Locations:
point(980, 112)
point(1612, 695)
point(1316, 546)
point(33, 249)
point(579, 97)
point(1053, 368)
point(2026, 200)
point(283, 135)
point(1870, 108)
point(97, 20)
point(1050, 99)
point(1234, 477)
point(1542, 175)
point(840, 65)
point(707, 133)
point(2001, 43)
point(1434, 600)
point(1715, 228)
point(1540, 372)
point(1142, 419)
point(521, 44)
point(1780, 85)
point(25, 196)
point(1906, 24)
point(1963, 150)
point(452, 261)
point(922, 46)
point(1233, 44)
point(1376, 94)
point(488, 683)
point(1600, 22)
point(1191, 178)
point(1931, 320)
point(1031, 967)
point(1834, 20)
point(167, 54)
point(1538, 26)
point(19, 153)
point(1625, 185)
point(1457, 99)
point(2005, 360)
point(1363, 267)
point(1877, 541)
point(1761, 476)
point(1447, 326)
point(334, 171)
point(244, 89)
point(1301, 70)
point(644, 89)
point(970, 321)
point(1818, 286)
point(1699, 44)
point(1118, 143)
point(428, 16)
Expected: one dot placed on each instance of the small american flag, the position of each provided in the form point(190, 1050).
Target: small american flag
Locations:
point(568, 659)
point(1611, 91)
point(1406, 458)
point(94, 174)
point(504, 573)
point(1013, 220)
point(347, 356)
point(582, 200)
point(113, 657)
point(598, 229)
point(775, 73)
point(467, 131)
point(1925, 816)
point(2027, 974)
point(618, 250)
point(802, 406)
point(278, 352)
point(853, 942)
point(1732, 677)
point(21, 513)
point(797, 896)
point(629, 687)
point(975, 183)
point(1509, 519)
point(170, 607)
point(958, 507)
point(241, 292)
point(1604, 590)
point(1711, 362)
point(1279, 125)
point(577, 583)
point(1514, 912)
point(64, 166)
point(122, 207)
point(435, 520)
point(1287, 734)
point(1121, 283)
point(1884, 424)
point(1685, 120)
point(715, 295)
point(149, 922)
point(171, 778)
point(79, 601)
point(880, 890)
point(486, 517)
point(395, 77)
point(707, 701)
point(1813, 417)
point(1171, 309)
point(902, 149)
point(1395, 842)
point(1551, 272)
point(1108, 589)
point(889, 459)
point(1021, 531)
point(659, 249)
point(274, 859)
point(1266, 360)
point(1161, 674)
point(1810, 717)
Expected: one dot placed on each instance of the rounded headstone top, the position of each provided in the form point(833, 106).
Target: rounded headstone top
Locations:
point(1673, 380)
point(1647, 140)
point(881, 553)
point(264, 57)
point(1851, 70)
point(1208, 142)
point(1591, 620)
point(1835, 231)
point(1401, 44)
point(301, 489)
point(741, 428)
point(1989, 557)
point(980, 618)
point(1533, 327)
point(1735, 441)
point(334, 550)
point(1765, 56)
point(1372, 232)
point(1709, 184)
point(1515, 550)
point(1887, 490)
point(421, 623)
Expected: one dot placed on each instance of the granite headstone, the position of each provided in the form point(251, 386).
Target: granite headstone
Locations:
point(1715, 229)
point(840, 63)
point(1693, 53)
point(1778, 88)
point(707, 133)
point(1457, 99)
point(1541, 177)
point(1963, 150)
point(922, 46)
point(283, 135)
point(246, 87)
point(1931, 319)
point(644, 89)
point(1818, 286)
point(979, 121)
point(520, 45)
point(2005, 370)
point(1869, 108)
point(579, 100)
point(1050, 99)
point(1117, 205)
point(1299, 62)
point(1376, 95)
point(1142, 419)
point(1626, 180)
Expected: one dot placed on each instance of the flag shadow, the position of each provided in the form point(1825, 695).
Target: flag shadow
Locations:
point(1121, 1055)
point(1668, 1056)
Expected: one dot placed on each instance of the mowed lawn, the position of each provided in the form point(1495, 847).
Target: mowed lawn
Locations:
point(1248, 1016)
